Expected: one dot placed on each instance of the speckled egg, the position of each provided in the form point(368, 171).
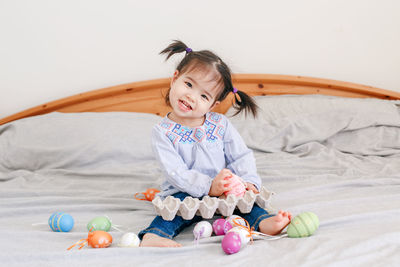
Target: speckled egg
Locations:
point(99, 239)
point(221, 226)
point(243, 233)
point(231, 243)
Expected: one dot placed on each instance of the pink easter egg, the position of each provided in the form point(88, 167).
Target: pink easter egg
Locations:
point(238, 186)
point(231, 243)
point(221, 226)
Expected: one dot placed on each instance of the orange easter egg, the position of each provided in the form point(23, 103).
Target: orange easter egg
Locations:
point(99, 239)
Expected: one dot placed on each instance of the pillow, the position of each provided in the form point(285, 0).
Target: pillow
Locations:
point(287, 121)
point(77, 140)
point(383, 112)
point(370, 141)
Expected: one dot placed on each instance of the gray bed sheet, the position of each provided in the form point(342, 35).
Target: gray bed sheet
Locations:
point(91, 165)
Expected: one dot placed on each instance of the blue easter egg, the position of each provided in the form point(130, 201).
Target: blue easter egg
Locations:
point(61, 222)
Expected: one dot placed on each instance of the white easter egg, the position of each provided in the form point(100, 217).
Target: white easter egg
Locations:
point(238, 220)
point(243, 233)
point(202, 229)
point(130, 240)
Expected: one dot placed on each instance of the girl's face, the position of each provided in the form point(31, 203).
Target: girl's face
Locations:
point(192, 95)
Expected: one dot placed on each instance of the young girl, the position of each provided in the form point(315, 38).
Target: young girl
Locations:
point(199, 150)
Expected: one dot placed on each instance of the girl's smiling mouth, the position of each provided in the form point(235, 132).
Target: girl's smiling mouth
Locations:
point(184, 105)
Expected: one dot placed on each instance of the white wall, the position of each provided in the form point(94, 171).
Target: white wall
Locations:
point(57, 48)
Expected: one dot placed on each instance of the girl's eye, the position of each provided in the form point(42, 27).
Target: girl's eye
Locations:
point(205, 97)
point(189, 84)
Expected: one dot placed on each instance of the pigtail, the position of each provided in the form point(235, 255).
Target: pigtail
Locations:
point(175, 47)
point(244, 103)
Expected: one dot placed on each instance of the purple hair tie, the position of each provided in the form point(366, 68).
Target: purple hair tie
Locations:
point(234, 90)
point(188, 50)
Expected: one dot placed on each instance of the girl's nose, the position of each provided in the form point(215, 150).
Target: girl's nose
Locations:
point(190, 98)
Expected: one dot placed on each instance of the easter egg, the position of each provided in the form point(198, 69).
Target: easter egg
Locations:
point(236, 218)
point(129, 240)
point(61, 222)
point(202, 229)
point(238, 188)
point(231, 243)
point(303, 225)
point(221, 226)
point(101, 223)
point(243, 234)
point(99, 239)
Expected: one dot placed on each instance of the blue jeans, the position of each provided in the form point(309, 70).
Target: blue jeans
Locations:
point(170, 229)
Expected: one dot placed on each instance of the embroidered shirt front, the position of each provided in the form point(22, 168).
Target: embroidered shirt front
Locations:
point(191, 157)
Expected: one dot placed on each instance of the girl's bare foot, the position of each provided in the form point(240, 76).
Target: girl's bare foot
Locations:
point(274, 225)
point(153, 240)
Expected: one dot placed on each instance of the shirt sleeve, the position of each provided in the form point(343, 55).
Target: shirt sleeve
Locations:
point(239, 158)
point(175, 169)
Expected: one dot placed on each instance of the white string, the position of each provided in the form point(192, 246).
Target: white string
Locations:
point(108, 218)
point(116, 228)
point(269, 237)
point(36, 224)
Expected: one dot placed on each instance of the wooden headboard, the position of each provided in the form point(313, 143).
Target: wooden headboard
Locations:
point(147, 96)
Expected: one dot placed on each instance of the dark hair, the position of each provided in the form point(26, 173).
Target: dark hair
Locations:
point(206, 58)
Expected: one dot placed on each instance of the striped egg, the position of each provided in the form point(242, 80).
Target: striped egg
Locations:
point(303, 225)
point(61, 222)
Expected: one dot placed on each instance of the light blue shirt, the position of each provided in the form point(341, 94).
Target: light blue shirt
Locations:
point(190, 158)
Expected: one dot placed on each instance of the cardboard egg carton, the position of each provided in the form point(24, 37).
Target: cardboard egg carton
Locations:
point(208, 206)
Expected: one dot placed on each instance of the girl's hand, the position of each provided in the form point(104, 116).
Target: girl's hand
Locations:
point(250, 186)
point(220, 184)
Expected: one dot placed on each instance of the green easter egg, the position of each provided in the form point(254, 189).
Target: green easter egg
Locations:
point(99, 224)
point(303, 225)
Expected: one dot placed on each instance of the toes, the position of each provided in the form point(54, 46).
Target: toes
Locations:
point(285, 214)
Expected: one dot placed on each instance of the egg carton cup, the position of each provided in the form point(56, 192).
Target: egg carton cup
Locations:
point(208, 206)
